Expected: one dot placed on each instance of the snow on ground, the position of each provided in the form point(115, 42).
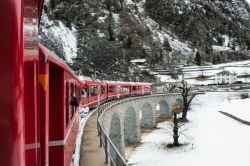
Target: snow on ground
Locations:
point(83, 117)
point(58, 31)
point(212, 139)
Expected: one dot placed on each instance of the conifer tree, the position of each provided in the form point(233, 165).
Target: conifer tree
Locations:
point(198, 58)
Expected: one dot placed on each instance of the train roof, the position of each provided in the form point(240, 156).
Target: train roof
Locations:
point(115, 82)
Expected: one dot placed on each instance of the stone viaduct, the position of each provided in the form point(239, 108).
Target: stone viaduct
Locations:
point(122, 120)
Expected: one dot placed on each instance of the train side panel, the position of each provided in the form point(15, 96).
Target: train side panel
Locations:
point(64, 91)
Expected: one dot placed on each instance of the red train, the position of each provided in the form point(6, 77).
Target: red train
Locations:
point(94, 92)
point(40, 95)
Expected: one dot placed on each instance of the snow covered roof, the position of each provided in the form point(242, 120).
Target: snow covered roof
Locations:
point(138, 61)
point(225, 72)
point(221, 48)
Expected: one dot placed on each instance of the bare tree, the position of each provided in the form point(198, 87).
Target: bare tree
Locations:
point(176, 109)
point(186, 103)
point(175, 130)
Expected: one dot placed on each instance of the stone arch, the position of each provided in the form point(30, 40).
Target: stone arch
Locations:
point(164, 109)
point(147, 116)
point(115, 132)
point(131, 133)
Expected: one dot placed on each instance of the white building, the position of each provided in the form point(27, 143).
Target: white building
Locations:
point(225, 77)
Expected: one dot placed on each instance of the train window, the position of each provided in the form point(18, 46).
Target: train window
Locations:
point(111, 88)
point(85, 91)
point(134, 87)
point(93, 90)
point(103, 89)
point(72, 89)
point(67, 104)
point(124, 88)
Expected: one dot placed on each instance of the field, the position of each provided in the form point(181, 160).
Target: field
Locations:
point(209, 138)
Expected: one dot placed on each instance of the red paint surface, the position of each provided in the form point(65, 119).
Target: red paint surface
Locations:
point(11, 84)
point(30, 29)
point(44, 109)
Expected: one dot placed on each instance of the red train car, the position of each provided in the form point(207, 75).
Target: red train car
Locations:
point(147, 88)
point(111, 89)
point(93, 92)
point(19, 74)
point(123, 89)
point(136, 88)
point(61, 99)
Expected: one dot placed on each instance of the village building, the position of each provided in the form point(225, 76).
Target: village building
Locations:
point(225, 77)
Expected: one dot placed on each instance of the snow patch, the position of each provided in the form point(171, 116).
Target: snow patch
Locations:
point(116, 18)
point(210, 139)
point(102, 19)
point(221, 48)
point(138, 61)
point(57, 30)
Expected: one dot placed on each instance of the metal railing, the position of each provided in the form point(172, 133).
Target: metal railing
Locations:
point(112, 155)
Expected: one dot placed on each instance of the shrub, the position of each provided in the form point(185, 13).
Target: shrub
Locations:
point(201, 77)
point(244, 95)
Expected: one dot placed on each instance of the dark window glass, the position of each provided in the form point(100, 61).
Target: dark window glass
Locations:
point(85, 91)
point(111, 88)
point(134, 87)
point(93, 90)
point(103, 89)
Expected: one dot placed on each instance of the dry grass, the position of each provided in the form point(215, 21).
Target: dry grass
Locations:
point(132, 144)
point(145, 130)
point(244, 95)
point(202, 78)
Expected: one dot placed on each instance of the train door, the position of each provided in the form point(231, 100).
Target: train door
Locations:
point(84, 95)
point(143, 90)
point(98, 94)
point(59, 93)
point(118, 91)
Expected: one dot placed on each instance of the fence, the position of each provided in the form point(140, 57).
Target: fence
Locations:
point(112, 156)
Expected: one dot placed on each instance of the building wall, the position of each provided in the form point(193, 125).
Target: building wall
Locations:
point(225, 79)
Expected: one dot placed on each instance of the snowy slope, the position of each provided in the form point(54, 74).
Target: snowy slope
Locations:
point(158, 34)
point(211, 138)
point(60, 34)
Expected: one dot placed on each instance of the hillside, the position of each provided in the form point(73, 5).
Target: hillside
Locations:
point(102, 37)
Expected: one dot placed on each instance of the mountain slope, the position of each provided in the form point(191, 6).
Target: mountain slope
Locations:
point(110, 34)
